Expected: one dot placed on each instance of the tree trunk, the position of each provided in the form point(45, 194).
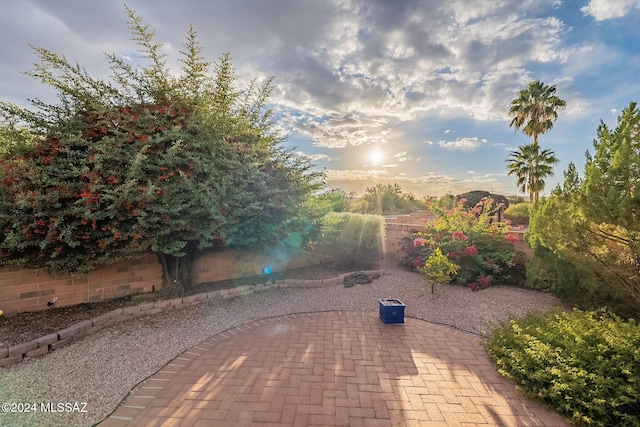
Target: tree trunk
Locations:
point(537, 165)
point(531, 189)
point(177, 273)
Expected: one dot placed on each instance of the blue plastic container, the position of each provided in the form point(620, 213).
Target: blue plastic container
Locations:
point(391, 310)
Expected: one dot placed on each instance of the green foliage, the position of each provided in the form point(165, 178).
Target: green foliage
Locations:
point(14, 139)
point(480, 248)
point(585, 365)
point(518, 214)
point(591, 223)
point(384, 199)
point(611, 193)
point(546, 271)
point(149, 161)
point(531, 166)
point(515, 199)
point(535, 109)
point(354, 240)
point(446, 201)
point(566, 258)
point(333, 200)
point(438, 268)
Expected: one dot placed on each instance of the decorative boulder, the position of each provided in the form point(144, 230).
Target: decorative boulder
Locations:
point(359, 278)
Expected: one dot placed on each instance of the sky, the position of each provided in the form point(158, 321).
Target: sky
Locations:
point(413, 92)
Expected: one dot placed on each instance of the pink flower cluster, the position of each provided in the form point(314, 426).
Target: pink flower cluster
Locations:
point(419, 241)
point(511, 238)
point(417, 262)
point(459, 235)
point(469, 251)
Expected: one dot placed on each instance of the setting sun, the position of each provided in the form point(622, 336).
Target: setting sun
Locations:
point(376, 156)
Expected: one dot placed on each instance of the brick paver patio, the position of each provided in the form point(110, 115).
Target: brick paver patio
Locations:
point(331, 369)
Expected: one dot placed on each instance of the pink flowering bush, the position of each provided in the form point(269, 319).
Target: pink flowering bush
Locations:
point(481, 251)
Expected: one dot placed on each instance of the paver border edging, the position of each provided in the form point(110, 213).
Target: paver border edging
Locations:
point(40, 346)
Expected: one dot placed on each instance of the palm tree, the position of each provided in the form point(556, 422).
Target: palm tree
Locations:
point(535, 109)
point(531, 166)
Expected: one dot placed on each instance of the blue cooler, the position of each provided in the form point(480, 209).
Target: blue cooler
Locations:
point(391, 310)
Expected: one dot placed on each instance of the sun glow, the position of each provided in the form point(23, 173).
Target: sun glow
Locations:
point(376, 156)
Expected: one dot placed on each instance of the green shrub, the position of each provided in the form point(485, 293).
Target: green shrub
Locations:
point(584, 364)
point(387, 199)
point(354, 240)
point(546, 271)
point(438, 268)
point(575, 286)
point(518, 214)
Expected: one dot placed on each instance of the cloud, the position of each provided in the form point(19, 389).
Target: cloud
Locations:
point(380, 64)
point(130, 56)
point(351, 70)
point(314, 157)
point(355, 174)
point(462, 143)
point(332, 130)
point(502, 145)
point(401, 156)
point(602, 10)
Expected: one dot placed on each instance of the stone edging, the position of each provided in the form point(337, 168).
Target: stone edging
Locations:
point(43, 345)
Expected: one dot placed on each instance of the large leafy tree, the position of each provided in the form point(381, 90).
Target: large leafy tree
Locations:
point(611, 194)
point(535, 110)
point(531, 166)
point(612, 175)
point(148, 161)
point(589, 227)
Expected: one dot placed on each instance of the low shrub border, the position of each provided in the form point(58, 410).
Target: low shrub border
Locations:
point(583, 364)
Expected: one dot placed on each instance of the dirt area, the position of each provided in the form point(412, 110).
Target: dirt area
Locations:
point(27, 326)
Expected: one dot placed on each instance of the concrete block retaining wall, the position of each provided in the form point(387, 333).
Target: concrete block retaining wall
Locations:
point(25, 290)
point(400, 226)
point(43, 345)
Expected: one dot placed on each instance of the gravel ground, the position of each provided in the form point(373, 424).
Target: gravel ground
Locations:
point(102, 368)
